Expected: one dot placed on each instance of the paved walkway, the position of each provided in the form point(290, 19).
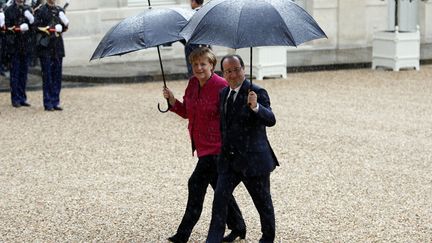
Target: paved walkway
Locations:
point(175, 69)
point(354, 149)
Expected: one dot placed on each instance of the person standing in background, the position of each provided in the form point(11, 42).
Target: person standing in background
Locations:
point(195, 5)
point(35, 4)
point(51, 22)
point(18, 21)
point(2, 33)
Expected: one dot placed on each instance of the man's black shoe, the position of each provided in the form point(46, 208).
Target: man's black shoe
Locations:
point(49, 109)
point(233, 236)
point(265, 241)
point(16, 105)
point(25, 104)
point(177, 239)
point(58, 108)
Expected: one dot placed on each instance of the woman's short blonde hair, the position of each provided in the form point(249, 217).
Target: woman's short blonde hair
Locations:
point(203, 52)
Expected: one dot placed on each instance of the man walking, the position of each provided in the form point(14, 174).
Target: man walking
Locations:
point(246, 152)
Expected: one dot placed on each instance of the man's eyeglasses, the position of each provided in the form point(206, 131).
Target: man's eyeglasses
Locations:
point(234, 70)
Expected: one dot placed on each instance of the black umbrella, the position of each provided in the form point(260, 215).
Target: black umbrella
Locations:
point(249, 23)
point(151, 28)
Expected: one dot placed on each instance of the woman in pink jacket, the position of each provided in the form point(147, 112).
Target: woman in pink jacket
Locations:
point(201, 107)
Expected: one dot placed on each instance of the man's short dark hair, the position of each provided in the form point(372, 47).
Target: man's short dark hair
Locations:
point(199, 2)
point(232, 56)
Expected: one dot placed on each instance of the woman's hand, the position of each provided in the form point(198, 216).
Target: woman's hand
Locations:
point(168, 94)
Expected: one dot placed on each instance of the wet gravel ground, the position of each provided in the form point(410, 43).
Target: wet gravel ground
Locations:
point(355, 148)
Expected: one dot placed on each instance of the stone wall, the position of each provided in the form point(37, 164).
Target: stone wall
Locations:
point(347, 23)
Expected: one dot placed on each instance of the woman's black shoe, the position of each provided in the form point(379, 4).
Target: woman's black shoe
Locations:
point(178, 239)
point(233, 236)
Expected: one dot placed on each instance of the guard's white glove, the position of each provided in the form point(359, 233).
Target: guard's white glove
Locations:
point(24, 27)
point(63, 18)
point(58, 28)
point(9, 3)
point(2, 20)
point(29, 16)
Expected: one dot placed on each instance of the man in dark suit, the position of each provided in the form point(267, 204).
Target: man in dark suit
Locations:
point(246, 153)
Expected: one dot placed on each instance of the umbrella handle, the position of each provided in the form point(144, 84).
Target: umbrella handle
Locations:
point(249, 90)
point(164, 111)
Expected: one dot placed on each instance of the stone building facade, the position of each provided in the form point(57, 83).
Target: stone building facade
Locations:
point(347, 23)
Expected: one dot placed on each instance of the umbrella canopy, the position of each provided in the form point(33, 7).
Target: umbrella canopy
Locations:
point(249, 23)
point(151, 28)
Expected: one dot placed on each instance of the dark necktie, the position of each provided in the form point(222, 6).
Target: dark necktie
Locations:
point(229, 104)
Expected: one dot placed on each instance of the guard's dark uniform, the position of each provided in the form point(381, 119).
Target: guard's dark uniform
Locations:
point(2, 43)
point(18, 48)
point(50, 49)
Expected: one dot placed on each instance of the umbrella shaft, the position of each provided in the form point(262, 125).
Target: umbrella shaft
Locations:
point(250, 66)
point(160, 62)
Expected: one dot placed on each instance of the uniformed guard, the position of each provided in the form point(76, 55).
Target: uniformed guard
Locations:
point(2, 33)
point(18, 21)
point(35, 4)
point(51, 22)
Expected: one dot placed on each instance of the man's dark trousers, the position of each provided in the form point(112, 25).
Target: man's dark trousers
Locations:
point(18, 77)
point(258, 188)
point(51, 76)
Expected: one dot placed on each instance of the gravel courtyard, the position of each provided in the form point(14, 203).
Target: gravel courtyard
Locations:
point(355, 148)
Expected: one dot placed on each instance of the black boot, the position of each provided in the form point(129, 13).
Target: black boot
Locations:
point(177, 238)
point(233, 236)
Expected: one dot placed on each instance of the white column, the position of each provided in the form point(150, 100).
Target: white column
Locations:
point(84, 28)
point(325, 13)
point(352, 24)
point(376, 18)
point(425, 21)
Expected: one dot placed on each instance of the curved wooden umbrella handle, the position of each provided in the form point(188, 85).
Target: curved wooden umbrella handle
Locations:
point(164, 111)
